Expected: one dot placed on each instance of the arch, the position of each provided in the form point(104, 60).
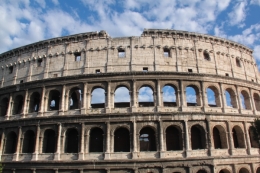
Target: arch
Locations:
point(192, 95)
point(34, 103)
point(219, 137)
point(257, 101)
point(145, 96)
point(198, 140)
point(54, 100)
point(253, 141)
point(75, 98)
point(169, 96)
point(243, 170)
point(11, 143)
point(4, 107)
point(49, 141)
point(238, 137)
point(18, 104)
point(213, 97)
point(28, 142)
point(230, 98)
point(71, 142)
point(122, 140)
point(147, 139)
point(98, 98)
point(224, 171)
point(173, 138)
point(202, 171)
point(245, 100)
point(122, 97)
point(96, 140)
point(258, 170)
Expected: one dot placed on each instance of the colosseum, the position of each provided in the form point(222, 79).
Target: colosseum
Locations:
point(61, 112)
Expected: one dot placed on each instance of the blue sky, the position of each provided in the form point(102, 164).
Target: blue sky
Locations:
point(26, 21)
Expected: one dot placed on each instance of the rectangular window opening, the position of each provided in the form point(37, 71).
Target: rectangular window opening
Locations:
point(11, 69)
point(190, 70)
point(39, 62)
point(252, 80)
point(166, 53)
point(121, 53)
point(21, 81)
point(98, 71)
point(55, 75)
point(145, 69)
point(227, 74)
point(77, 56)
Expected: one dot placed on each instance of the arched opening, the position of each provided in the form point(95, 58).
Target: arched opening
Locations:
point(122, 97)
point(169, 96)
point(96, 140)
point(145, 97)
point(258, 170)
point(147, 139)
point(173, 139)
point(238, 63)
point(75, 98)
point(4, 107)
point(230, 98)
point(224, 171)
point(238, 137)
point(11, 143)
point(198, 140)
point(54, 100)
point(245, 100)
point(206, 55)
point(71, 143)
point(192, 96)
point(122, 140)
point(49, 141)
point(219, 137)
point(201, 171)
point(253, 140)
point(98, 98)
point(18, 105)
point(34, 102)
point(28, 142)
point(257, 101)
point(243, 170)
point(213, 97)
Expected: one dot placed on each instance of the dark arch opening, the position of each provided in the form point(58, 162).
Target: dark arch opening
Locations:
point(169, 96)
point(11, 143)
point(122, 140)
point(75, 99)
point(122, 97)
point(258, 170)
point(219, 137)
point(253, 138)
point(145, 97)
point(54, 100)
point(49, 141)
point(147, 139)
point(4, 107)
point(71, 143)
point(173, 139)
point(224, 171)
point(96, 140)
point(198, 140)
point(18, 105)
point(257, 101)
point(98, 98)
point(34, 102)
point(28, 142)
point(238, 137)
point(243, 170)
point(201, 171)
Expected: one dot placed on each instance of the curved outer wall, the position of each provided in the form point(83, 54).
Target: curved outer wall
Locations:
point(38, 73)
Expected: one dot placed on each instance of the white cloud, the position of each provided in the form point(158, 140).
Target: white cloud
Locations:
point(238, 15)
point(41, 3)
point(256, 2)
point(169, 94)
point(56, 2)
point(145, 95)
point(122, 95)
point(98, 96)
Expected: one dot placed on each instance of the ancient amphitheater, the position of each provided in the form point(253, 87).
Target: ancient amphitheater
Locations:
point(50, 124)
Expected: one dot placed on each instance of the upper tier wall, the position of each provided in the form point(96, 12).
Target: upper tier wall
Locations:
point(187, 52)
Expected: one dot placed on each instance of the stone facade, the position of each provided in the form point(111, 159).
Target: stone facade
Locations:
point(74, 135)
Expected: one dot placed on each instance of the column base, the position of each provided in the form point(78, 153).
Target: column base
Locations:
point(107, 156)
point(133, 109)
point(83, 111)
point(15, 157)
point(61, 112)
point(107, 110)
point(135, 155)
point(81, 156)
point(188, 153)
point(162, 154)
point(34, 156)
point(56, 156)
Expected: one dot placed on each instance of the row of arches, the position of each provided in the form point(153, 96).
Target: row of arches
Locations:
point(122, 140)
point(122, 98)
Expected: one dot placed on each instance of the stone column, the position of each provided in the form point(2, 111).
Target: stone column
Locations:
point(86, 64)
point(134, 153)
point(42, 108)
point(162, 143)
point(25, 105)
point(87, 142)
point(81, 153)
point(230, 139)
point(3, 77)
point(239, 103)
point(9, 109)
point(2, 143)
point(182, 95)
point(107, 153)
point(134, 99)
point(36, 151)
point(63, 98)
point(15, 74)
point(159, 94)
point(252, 101)
point(210, 145)
point(187, 135)
point(19, 144)
point(204, 95)
point(29, 74)
point(84, 104)
point(215, 59)
point(223, 98)
point(248, 144)
point(58, 150)
point(108, 97)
